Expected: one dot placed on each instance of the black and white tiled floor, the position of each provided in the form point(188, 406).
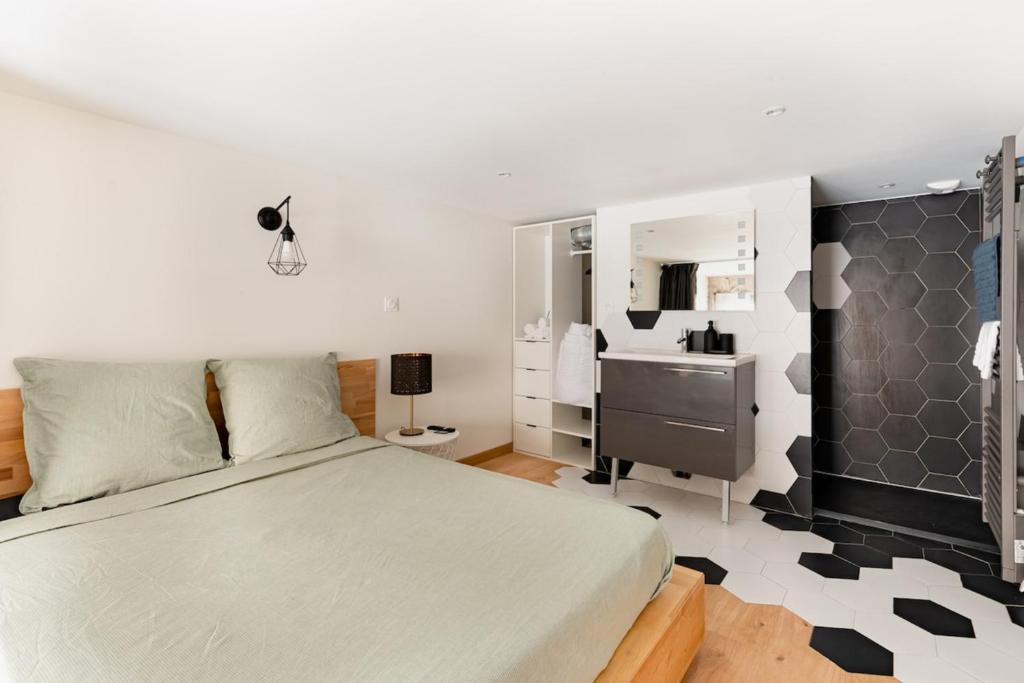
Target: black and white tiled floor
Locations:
point(880, 603)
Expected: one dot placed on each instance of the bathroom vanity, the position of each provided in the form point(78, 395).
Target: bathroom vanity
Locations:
point(689, 412)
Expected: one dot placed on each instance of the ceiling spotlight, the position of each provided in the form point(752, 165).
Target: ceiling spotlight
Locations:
point(943, 186)
point(504, 174)
point(772, 112)
point(886, 186)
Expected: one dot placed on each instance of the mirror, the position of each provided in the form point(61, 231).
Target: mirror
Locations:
point(693, 263)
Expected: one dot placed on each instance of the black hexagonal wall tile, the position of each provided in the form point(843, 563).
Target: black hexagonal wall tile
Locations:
point(941, 204)
point(772, 500)
point(894, 547)
point(902, 397)
point(829, 325)
point(864, 240)
point(829, 225)
point(829, 391)
point(864, 212)
point(966, 365)
point(713, 573)
point(643, 320)
point(1016, 615)
point(865, 411)
point(903, 326)
point(830, 424)
point(799, 291)
point(864, 470)
point(944, 382)
point(799, 494)
point(942, 307)
point(994, 588)
point(865, 446)
point(966, 290)
point(944, 483)
point(787, 522)
point(966, 249)
point(902, 433)
point(864, 308)
point(901, 255)
point(799, 373)
point(863, 556)
point(829, 358)
point(852, 651)
point(943, 456)
point(942, 344)
point(970, 478)
point(970, 400)
point(901, 290)
point(863, 342)
point(644, 508)
point(829, 456)
point(600, 343)
point(902, 361)
point(933, 617)
point(970, 212)
point(941, 233)
point(901, 219)
point(837, 533)
point(799, 454)
point(829, 566)
point(903, 468)
point(957, 561)
point(863, 376)
point(969, 325)
point(943, 418)
point(864, 274)
point(941, 271)
point(971, 440)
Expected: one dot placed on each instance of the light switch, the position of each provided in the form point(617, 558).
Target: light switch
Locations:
point(391, 304)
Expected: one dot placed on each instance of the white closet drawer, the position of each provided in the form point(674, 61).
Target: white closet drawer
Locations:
point(532, 383)
point(536, 355)
point(535, 440)
point(533, 411)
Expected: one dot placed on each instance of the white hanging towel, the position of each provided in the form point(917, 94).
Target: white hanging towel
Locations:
point(985, 351)
point(574, 377)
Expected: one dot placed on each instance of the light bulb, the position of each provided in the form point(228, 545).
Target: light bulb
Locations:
point(288, 252)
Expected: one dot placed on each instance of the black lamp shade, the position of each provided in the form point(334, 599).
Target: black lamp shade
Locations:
point(410, 373)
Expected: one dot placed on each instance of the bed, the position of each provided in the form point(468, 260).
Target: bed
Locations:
point(359, 561)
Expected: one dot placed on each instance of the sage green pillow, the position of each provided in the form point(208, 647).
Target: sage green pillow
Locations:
point(96, 429)
point(280, 406)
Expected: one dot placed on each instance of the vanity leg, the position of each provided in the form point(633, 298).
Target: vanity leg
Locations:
point(615, 476)
point(726, 491)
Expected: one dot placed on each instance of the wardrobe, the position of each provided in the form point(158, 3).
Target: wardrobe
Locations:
point(553, 286)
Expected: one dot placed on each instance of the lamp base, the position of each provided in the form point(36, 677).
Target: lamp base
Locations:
point(410, 431)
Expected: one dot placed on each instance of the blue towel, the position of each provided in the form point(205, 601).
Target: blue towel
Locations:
point(986, 280)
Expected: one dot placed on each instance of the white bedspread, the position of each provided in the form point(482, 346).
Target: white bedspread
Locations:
point(355, 562)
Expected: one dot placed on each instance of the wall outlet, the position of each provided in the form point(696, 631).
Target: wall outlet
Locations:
point(391, 304)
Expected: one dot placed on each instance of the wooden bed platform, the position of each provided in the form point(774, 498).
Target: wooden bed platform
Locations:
point(657, 649)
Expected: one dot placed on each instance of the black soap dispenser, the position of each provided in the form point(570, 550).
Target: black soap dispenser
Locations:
point(710, 338)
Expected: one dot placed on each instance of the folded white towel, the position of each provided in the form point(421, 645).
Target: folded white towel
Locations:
point(985, 351)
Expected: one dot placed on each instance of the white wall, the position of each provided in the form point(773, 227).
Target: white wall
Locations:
point(778, 330)
point(123, 243)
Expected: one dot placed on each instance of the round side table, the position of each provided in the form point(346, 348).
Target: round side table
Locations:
point(431, 443)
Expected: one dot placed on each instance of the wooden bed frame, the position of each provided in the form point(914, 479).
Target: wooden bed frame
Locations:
point(657, 649)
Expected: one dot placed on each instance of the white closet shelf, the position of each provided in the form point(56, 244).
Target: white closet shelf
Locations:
point(577, 405)
point(568, 450)
point(580, 252)
point(527, 339)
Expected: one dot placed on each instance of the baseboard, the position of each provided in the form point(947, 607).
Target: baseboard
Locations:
point(489, 454)
point(948, 516)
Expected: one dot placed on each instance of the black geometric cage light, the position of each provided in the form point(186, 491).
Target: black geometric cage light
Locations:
point(286, 258)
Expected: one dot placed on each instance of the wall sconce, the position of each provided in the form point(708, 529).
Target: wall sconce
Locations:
point(286, 258)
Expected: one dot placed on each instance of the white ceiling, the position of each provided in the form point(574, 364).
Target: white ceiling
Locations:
point(587, 102)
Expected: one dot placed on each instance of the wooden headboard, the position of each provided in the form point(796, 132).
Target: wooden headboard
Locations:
point(358, 401)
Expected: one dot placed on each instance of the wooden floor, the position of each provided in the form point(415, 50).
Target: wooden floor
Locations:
point(743, 642)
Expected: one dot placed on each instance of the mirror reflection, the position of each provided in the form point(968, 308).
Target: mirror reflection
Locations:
point(693, 263)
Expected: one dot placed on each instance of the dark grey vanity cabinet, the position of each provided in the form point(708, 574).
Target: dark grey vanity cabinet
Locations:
point(690, 417)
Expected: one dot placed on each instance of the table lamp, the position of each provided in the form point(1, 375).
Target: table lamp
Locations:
point(410, 375)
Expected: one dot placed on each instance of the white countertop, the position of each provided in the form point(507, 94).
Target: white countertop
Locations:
point(670, 356)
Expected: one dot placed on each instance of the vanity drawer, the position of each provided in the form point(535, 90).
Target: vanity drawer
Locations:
point(691, 391)
point(530, 439)
point(532, 354)
point(534, 411)
point(532, 382)
point(694, 446)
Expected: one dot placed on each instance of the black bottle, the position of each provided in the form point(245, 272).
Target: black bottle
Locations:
point(710, 338)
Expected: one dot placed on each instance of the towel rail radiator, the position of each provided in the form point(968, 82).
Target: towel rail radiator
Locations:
point(1001, 396)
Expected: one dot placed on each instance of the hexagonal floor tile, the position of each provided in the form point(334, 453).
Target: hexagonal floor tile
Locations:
point(863, 556)
point(994, 588)
point(894, 633)
point(818, 609)
point(829, 566)
point(933, 617)
point(754, 588)
point(713, 574)
point(852, 651)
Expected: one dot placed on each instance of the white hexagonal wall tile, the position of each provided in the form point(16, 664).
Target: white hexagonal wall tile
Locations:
point(773, 390)
point(773, 469)
point(799, 211)
point(774, 312)
point(799, 414)
point(772, 273)
point(743, 491)
point(774, 351)
point(754, 588)
point(829, 260)
point(799, 332)
point(616, 329)
point(799, 250)
point(773, 196)
point(774, 233)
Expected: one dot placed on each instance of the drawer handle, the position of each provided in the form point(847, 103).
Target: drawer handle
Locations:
point(692, 426)
point(532, 398)
point(530, 425)
point(700, 372)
